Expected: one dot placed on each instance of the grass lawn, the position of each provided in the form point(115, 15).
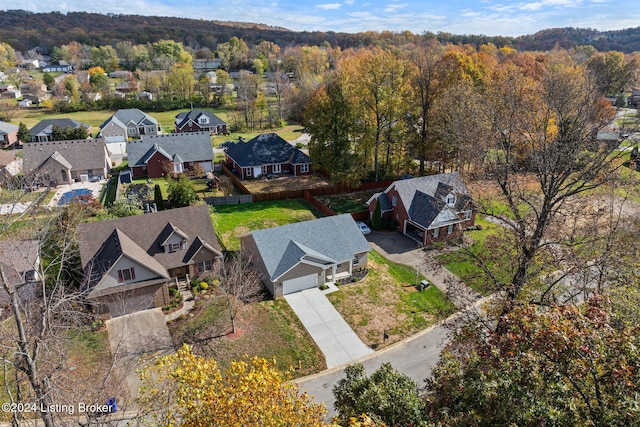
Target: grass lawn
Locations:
point(464, 266)
point(388, 300)
point(284, 182)
point(230, 221)
point(268, 329)
point(289, 132)
point(347, 203)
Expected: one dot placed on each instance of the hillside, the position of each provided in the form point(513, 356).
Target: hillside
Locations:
point(25, 30)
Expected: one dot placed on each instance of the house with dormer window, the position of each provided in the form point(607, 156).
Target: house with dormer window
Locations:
point(428, 209)
point(131, 262)
point(200, 121)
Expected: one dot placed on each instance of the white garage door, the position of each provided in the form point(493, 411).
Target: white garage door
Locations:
point(299, 284)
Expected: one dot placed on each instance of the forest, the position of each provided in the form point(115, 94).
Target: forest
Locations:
point(25, 30)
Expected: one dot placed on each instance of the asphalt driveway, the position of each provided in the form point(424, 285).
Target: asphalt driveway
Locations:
point(329, 330)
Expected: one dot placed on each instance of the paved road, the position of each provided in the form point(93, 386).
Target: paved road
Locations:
point(329, 330)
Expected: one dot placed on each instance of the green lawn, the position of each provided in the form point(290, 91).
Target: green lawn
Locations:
point(462, 263)
point(347, 203)
point(387, 299)
point(231, 221)
point(268, 329)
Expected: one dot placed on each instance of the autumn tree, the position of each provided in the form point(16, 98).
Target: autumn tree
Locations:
point(233, 53)
point(104, 57)
point(181, 192)
point(543, 131)
point(386, 396)
point(566, 365)
point(185, 390)
point(613, 72)
point(7, 57)
point(98, 79)
point(181, 80)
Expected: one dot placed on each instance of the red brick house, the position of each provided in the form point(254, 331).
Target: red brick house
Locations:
point(8, 134)
point(200, 121)
point(266, 154)
point(131, 262)
point(428, 209)
point(155, 156)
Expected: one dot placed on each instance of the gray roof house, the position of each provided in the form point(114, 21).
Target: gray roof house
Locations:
point(200, 121)
point(427, 209)
point(265, 154)
point(155, 156)
point(303, 255)
point(8, 134)
point(66, 161)
point(127, 124)
point(43, 131)
point(20, 261)
point(131, 261)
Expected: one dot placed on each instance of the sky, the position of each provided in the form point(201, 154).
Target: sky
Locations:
point(486, 17)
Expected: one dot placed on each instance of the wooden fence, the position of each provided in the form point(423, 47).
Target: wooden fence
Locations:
point(235, 180)
point(228, 200)
point(324, 209)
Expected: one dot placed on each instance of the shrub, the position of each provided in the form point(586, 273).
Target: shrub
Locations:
point(204, 286)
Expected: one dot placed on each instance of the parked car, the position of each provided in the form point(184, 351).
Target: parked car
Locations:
point(363, 227)
point(272, 175)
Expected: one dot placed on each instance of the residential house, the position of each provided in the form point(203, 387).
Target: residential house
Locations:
point(124, 125)
point(428, 209)
point(20, 261)
point(63, 162)
point(156, 156)
point(121, 74)
point(201, 64)
point(6, 86)
point(10, 165)
point(266, 154)
point(303, 255)
point(130, 262)
point(609, 136)
point(43, 131)
point(200, 121)
point(128, 86)
point(11, 94)
point(8, 134)
point(58, 68)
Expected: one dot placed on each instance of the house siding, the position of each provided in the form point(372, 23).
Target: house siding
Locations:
point(7, 139)
point(133, 300)
point(142, 273)
point(157, 166)
point(299, 270)
point(249, 248)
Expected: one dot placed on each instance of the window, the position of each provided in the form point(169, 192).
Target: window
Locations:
point(126, 275)
point(356, 260)
point(150, 130)
point(467, 215)
point(248, 171)
point(203, 266)
point(174, 247)
point(451, 200)
point(450, 228)
point(394, 201)
point(132, 131)
point(203, 120)
point(436, 232)
point(304, 168)
point(339, 265)
point(276, 168)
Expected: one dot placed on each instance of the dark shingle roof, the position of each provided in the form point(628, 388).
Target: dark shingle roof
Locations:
point(183, 118)
point(18, 259)
point(147, 232)
point(190, 147)
point(330, 239)
point(63, 123)
point(265, 149)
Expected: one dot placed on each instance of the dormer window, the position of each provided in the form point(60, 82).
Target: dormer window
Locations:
point(175, 247)
point(451, 200)
point(203, 120)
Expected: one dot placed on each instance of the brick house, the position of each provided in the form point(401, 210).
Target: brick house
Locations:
point(266, 154)
point(155, 156)
point(200, 121)
point(130, 262)
point(8, 134)
point(428, 209)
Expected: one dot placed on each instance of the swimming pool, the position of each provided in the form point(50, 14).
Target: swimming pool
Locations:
point(70, 195)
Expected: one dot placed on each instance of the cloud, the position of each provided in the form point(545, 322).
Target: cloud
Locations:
point(394, 7)
point(328, 6)
point(349, 2)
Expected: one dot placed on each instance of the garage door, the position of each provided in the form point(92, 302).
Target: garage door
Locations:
point(299, 284)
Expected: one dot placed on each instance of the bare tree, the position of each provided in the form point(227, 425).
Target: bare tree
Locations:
point(239, 284)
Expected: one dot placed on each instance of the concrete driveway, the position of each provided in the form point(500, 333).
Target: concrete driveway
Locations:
point(135, 335)
point(329, 330)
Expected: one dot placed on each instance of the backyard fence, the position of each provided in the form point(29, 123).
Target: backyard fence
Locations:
point(235, 180)
point(228, 200)
point(324, 209)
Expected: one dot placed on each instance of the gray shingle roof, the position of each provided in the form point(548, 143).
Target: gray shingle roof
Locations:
point(190, 147)
point(81, 154)
point(63, 123)
point(265, 149)
point(183, 118)
point(127, 115)
point(7, 128)
point(18, 258)
point(335, 238)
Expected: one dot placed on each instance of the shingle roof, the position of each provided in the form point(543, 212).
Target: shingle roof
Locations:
point(190, 147)
point(335, 238)
point(146, 232)
point(18, 259)
point(63, 123)
point(127, 115)
point(7, 128)
point(265, 149)
point(183, 118)
point(80, 154)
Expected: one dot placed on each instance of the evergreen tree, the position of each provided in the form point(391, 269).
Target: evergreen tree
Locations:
point(157, 197)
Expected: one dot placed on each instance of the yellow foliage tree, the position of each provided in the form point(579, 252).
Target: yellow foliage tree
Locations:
point(187, 390)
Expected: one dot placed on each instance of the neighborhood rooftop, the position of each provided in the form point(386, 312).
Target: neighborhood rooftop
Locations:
point(265, 149)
